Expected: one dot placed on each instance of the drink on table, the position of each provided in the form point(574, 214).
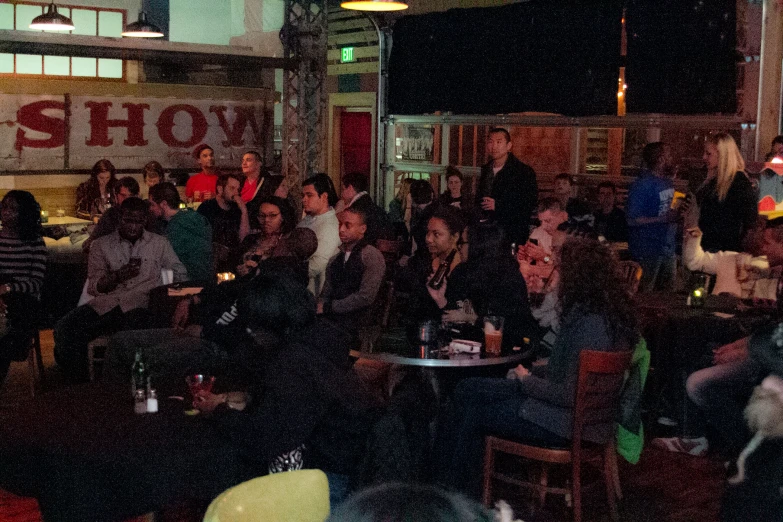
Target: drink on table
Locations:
point(493, 335)
point(138, 373)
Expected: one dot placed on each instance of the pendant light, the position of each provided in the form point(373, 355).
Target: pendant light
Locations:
point(51, 20)
point(374, 5)
point(142, 28)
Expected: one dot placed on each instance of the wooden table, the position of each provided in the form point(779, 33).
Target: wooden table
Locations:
point(65, 221)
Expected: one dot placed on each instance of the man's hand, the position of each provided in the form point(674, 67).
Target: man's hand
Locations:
point(207, 401)
point(181, 315)
point(458, 316)
point(240, 203)
point(487, 203)
point(535, 251)
point(126, 272)
point(521, 372)
point(694, 232)
point(319, 308)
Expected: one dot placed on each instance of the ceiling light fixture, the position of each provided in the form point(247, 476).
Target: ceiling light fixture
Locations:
point(374, 5)
point(51, 20)
point(142, 28)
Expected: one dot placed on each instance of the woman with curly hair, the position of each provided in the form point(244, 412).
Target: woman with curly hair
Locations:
point(22, 268)
point(596, 314)
point(96, 195)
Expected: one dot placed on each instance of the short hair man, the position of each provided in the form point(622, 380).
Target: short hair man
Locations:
point(123, 267)
point(205, 181)
point(610, 221)
point(775, 148)
point(652, 223)
point(578, 211)
point(318, 198)
point(126, 187)
point(551, 215)
point(507, 190)
point(354, 276)
point(227, 215)
point(354, 194)
point(188, 231)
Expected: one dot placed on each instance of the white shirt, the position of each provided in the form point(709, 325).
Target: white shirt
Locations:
point(327, 230)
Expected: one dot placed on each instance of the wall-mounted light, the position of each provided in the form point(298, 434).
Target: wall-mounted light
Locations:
point(374, 5)
point(51, 20)
point(142, 28)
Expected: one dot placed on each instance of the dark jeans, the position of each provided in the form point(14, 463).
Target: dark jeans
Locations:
point(658, 274)
point(81, 325)
point(482, 406)
point(719, 394)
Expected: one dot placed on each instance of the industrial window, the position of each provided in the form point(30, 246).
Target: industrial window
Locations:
point(88, 21)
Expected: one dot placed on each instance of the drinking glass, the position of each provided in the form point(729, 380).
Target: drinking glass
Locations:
point(198, 383)
point(493, 334)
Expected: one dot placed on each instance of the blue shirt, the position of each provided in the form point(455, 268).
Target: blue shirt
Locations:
point(650, 196)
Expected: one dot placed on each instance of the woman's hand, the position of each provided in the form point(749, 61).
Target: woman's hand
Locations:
point(694, 232)
point(181, 315)
point(439, 295)
point(458, 316)
point(207, 401)
point(521, 372)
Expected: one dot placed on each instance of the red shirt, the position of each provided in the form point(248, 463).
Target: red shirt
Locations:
point(201, 182)
point(249, 189)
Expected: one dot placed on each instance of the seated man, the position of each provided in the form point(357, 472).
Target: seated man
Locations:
point(552, 218)
point(188, 231)
point(353, 276)
point(126, 187)
point(610, 220)
point(354, 194)
point(578, 211)
point(318, 198)
point(227, 214)
point(123, 267)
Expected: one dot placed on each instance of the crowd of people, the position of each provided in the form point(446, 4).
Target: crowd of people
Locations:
point(305, 287)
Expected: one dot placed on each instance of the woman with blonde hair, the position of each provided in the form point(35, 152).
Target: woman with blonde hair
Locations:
point(727, 201)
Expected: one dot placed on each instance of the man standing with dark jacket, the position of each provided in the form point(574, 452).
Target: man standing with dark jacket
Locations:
point(507, 191)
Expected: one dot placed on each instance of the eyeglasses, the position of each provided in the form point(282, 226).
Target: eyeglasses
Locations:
point(268, 216)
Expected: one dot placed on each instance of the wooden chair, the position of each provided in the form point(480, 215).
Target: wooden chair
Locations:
point(631, 273)
point(600, 380)
point(392, 251)
point(96, 353)
point(376, 319)
point(34, 362)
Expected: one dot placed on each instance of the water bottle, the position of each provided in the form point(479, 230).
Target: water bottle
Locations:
point(138, 374)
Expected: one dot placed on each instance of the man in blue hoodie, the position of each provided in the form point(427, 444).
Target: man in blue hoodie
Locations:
point(652, 223)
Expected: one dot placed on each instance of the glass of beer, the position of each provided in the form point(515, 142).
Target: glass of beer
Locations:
point(493, 335)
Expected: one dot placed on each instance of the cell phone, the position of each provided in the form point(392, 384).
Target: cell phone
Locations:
point(533, 241)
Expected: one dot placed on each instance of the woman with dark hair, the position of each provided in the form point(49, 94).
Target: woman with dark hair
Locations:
point(22, 268)
point(300, 390)
point(488, 282)
point(596, 314)
point(454, 195)
point(276, 220)
point(441, 238)
point(153, 173)
point(96, 194)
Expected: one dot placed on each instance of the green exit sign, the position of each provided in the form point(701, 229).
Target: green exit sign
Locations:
point(346, 55)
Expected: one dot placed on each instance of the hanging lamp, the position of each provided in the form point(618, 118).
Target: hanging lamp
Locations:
point(51, 20)
point(374, 5)
point(142, 28)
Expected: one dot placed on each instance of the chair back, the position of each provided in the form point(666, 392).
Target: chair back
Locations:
point(599, 384)
point(294, 495)
point(631, 273)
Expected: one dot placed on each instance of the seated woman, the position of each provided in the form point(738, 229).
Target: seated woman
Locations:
point(489, 279)
point(427, 303)
point(153, 174)
point(22, 268)
point(276, 219)
point(596, 314)
point(96, 195)
point(300, 391)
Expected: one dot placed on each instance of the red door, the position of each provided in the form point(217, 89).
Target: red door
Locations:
point(355, 142)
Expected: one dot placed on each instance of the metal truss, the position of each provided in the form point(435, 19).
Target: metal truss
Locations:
point(304, 38)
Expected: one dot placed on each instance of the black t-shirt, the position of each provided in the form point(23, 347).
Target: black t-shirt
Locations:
point(225, 223)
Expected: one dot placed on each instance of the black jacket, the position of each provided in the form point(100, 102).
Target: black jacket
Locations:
point(725, 223)
point(515, 191)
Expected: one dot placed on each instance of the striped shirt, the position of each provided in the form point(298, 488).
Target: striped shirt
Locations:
point(23, 264)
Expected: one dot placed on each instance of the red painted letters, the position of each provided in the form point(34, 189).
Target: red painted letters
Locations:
point(100, 123)
point(166, 125)
point(32, 116)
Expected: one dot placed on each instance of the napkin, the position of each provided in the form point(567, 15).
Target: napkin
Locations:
point(464, 346)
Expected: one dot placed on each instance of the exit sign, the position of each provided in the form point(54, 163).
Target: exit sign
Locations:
point(346, 55)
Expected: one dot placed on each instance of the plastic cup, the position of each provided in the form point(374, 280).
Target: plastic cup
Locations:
point(493, 335)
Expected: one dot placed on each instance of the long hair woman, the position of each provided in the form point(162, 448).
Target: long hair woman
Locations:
point(22, 268)
point(596, 314)
point(727, 201)
point(96, 194)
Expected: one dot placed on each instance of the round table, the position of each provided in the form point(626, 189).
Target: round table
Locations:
point(441, 360)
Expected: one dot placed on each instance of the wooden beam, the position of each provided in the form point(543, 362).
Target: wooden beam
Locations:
point(353, 38)
point(768, 116)
point(345, 25)
point(352, 68)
